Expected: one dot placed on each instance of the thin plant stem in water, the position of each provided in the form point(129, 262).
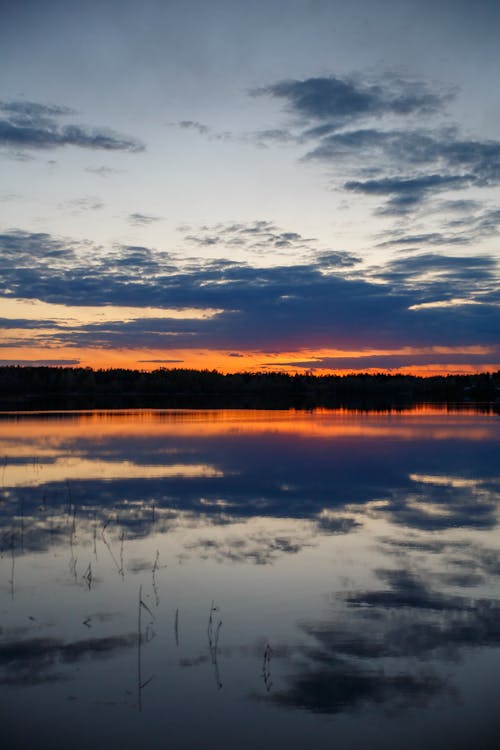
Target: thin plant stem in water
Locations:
point(213, 632)
point(266, 667)
point(140, 684)
point(176, 627)
point(88, 577)
point(108, 547)
point(122, 540)
point(95, 534)
point(13, 564)
point(153, 576)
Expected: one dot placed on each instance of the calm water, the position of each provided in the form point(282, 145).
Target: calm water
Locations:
point(237, 579)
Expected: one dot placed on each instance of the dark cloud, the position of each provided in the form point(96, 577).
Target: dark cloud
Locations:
point(27, 323)
point(160, 361)
point(39, 362)
point(409, 164)
point(34, 110)
point(334, 259)
point(257, 548)
point(258, 236)
point(480, 160)
point(406, 163)
point(38, 660)
point(347, 687)
point(344, 100)
point(391, 361)
point(317, 304)
point(435, 277)
point(433, 508)
point(408, 591)
point(36, 126)
point(407, 192)
point(373, 650)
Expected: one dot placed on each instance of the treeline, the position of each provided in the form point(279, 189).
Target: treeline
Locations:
point(84, 388)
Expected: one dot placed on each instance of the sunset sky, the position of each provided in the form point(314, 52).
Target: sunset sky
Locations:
point(284, 185)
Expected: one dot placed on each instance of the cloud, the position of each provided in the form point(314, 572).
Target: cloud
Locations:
point(82, 205)
point(34, 661)
point(39, 362)
point(261, 138)
point(434, 276)
point(103, 171)
point(392, 361)
point(406, 165)
point(407, 192)
point(406, 162)
point(36, 126)
point(479, 161)
point(433, 238)
point(432, 508)
point(192, 125)
point(142, 220)
point(260, 548)
point(160, 361)
point(368, 652)
point(343, 100)
point(346, 686)
point(272, 478)
point(258, 236)
point(473, 224)
point(323, 302)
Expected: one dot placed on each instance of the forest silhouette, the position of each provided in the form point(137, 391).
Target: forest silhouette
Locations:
point(24, 387)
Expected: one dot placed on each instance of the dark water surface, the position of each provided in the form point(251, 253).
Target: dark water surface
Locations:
point(250, 579)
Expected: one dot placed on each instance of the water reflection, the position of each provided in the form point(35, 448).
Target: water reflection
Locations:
point(354, 556)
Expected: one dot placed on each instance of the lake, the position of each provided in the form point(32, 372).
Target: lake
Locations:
point(250, 579)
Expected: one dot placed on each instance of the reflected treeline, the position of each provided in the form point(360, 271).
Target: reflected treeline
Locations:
point(84, 388)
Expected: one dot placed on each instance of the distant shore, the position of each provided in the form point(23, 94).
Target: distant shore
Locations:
point(24, 388)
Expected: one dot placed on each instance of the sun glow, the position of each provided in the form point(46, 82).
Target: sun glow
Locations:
point(317, 361)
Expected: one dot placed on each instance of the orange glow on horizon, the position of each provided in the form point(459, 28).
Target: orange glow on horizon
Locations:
point(44, 437)
point(256, 361)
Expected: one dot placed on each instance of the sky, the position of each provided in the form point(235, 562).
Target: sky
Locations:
point(290, 185)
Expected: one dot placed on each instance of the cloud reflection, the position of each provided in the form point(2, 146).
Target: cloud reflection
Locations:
point(38, 660)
